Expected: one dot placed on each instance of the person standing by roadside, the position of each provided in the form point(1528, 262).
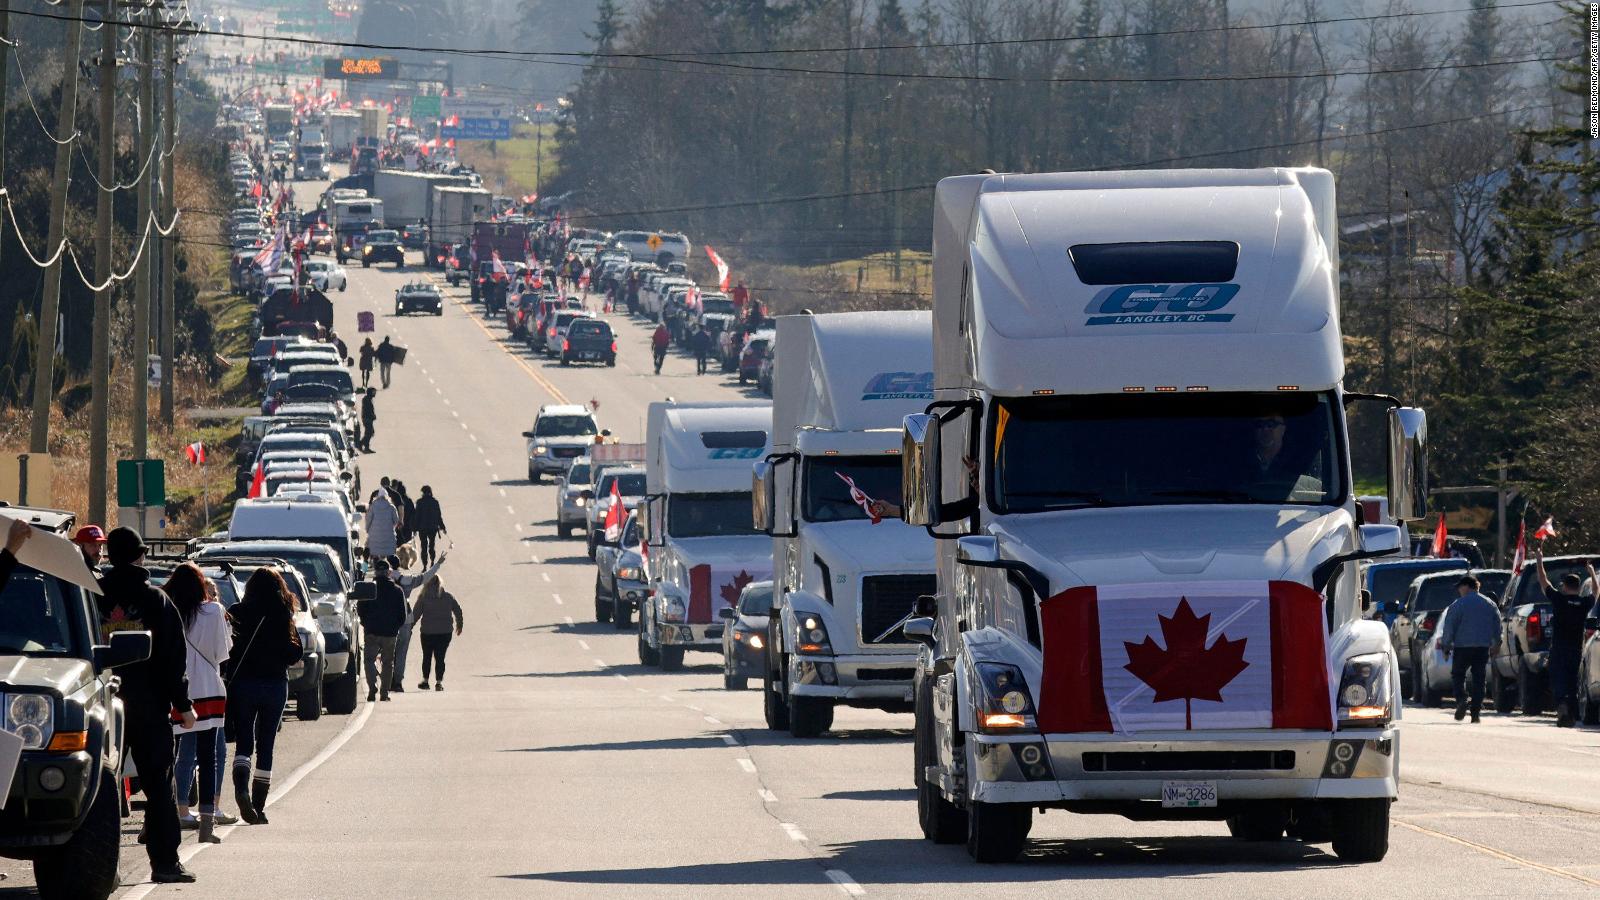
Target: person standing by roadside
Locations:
point(740, 296)
point(1568, 609)
point(385, 360)
point(658, 344)
point(368, 354)
point(429, 523)
point(206, 633)
point(265, 645)
point(1471, 630)
point(382, 522)
point(150, 691)
point(434, 612)
point(700, 343)
point(369, 417)
point(382, 616)
point(91, 541)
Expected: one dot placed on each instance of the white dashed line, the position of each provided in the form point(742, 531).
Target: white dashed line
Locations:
point(747, 765)
point(518, 526)
point(767, 796)
point(730, 740)
point(557, 598)
point(599, 662)
point(569, 620)
point(535, 557)
point(474, 440)
point(486, 462)
point(643, 690)
point(446, 399)
point(620, 676)
point(457, 415)
point(510, 510)
point(793, 831)
point(502, 492)
point(665, 699)
point(545, 575)
point(440, 391)
point(713, 720)
point(696, 708)
point(583, 644)
point(847, 884)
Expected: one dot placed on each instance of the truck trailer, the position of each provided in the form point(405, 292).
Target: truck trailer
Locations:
point(342, 127)
point(453, 210)
point(1136, 468)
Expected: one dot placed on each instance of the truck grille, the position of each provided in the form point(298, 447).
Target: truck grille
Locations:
point(566, 452)
point(885, 600)
point(886, 674)
point(1190, 761)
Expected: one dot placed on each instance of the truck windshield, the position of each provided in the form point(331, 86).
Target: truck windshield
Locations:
point(709, 515)
point(717, 305)
point(563, 426)
point(34, 615)
point(827, 496)
point(1144, 450)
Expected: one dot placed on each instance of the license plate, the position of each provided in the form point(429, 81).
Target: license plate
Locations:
point(589, 354)
point(1188, 794)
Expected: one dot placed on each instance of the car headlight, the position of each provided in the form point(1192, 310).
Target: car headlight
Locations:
point(1366, 692)
point(1005, 703)
point(630, 573)
point(756, 641)
point(366, 249)
point(578, 502)
point(31, 717)
point(811, 634)
point(539, 449)
point(674, 610)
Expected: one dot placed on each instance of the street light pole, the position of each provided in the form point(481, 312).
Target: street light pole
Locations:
point(169, 208)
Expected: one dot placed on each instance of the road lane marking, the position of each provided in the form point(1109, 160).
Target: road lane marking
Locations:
point(502, 492)
point(536, 556)
point(557, 598)
point(487, 463)
point(622, 677)
point(845, 883)
point(458, 415)
point(767, 796)
point(518, 526)
point(554, 392)
point(545, 575)
point(599, 662)
point(1500, 854)
point(713, 720)
point(696, 708)
point(569, 620)
point(510, 510)
point(793, 831)
point(584, 644)
point(730, 740)
point(474, 440)
point(747, 765)
point(667, 699)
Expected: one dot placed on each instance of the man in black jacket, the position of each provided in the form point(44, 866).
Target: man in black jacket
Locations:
point(428, 524)
point(150, 691)
point(382, 617)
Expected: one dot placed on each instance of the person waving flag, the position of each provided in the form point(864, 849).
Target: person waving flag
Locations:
point(860, 498)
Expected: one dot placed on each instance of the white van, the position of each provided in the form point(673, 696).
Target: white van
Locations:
point(299, 519)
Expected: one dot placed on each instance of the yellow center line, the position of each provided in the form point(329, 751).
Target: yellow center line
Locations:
point(1501, 854)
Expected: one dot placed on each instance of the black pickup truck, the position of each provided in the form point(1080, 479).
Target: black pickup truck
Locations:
point(382, 246)
point(1519, 674)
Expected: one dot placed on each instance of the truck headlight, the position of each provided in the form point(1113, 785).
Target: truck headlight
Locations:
point(1005, 705)
point(674, 610)
point(539, 449)
point(1366, 692)
point(755, 641)
point(630, 573)
point(31, 717)
point(811, 634)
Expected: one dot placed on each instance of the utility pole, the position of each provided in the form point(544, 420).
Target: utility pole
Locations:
point(100, 344)
point(5, 94)
point(169, 292)
point(141, 275)
point(50, 309)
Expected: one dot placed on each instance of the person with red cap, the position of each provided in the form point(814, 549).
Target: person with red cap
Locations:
point(91, 541)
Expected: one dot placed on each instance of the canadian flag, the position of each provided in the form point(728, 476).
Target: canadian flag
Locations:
point(614, 514)
point(725, 582)
point(196, 452)
point(1521, 554)
point(859, 497)
point(1547, 530)
point(1441, 546)
point(500, 273)
point(258, 481)
point(1166, 657)
point(722, 267)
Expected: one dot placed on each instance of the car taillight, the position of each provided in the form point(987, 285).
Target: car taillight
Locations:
point(613, 346)
point(566, 345)
point(1535, 627)
point(1430, 620)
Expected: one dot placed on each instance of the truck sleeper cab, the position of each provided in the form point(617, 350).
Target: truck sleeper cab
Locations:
point(1136, 465)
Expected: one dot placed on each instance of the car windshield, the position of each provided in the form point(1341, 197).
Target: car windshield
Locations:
point(717, 305)
point(1393, 582)
point(1493, 584)
point(382, 236)
point(757, 601)
point(339, 378)
point(578, 475)
point(629, 484)
point(1139, 450)
point(34, 614)
point(709, 515)
point(1434, 594)
point(1528, 589)
point(827, 496)
point(564, 426)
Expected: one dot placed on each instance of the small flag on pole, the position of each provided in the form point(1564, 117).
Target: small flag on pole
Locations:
point(1440, 540)
point(1547, 530)
point(196, 452)
point(1521, 554)
point(860, 497)
point(614, 514)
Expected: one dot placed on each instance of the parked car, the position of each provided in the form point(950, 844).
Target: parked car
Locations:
point(744, 640)
point(64, 809)
point(619, 581)
point(1519, 676)
point(418, 295)
point(1388, 582)
point(629, 483)
point(557, 324)
point(574, 493)
point(588, 340)
point(326, 275)
point(751, 356)
point(1421, 617)
point(769, 361)
point(382, 245)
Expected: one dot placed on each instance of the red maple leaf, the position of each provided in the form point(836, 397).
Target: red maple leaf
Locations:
point(1186, 670)
point(730, 591)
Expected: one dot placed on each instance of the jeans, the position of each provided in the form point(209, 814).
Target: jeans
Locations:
point(256, 705)
point(366, 434)
point(1563, 668)
point(150, 743)
point(428, 552)
point(402, 643)
point(211, 765)
point(383, 372)
point(433, 650)
point(1464, 660)
point(700, 362)
point(375, 649)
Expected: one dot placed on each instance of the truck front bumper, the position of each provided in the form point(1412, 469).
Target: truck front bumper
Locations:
point(36, 816)
point(632, 593)
point(1244, 766)
point(690, 637)
point(882, 678)
point(544, 462)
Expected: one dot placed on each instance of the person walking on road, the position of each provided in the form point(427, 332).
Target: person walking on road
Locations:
point(369, 417)
point(1471, 630)
point(385, 354)
point(265, 645)
point(368, 354)
point(150, 691)
point(1569, 608)
point(382, 523)
point(435, 612)
point(408, 514)
point(382, 616)
point(429, 524)
point(206, 633)
point(658, 344)
point(402, 646)
point(700, 343)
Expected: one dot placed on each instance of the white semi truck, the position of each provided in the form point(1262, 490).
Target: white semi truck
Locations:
point(843, 585)
point(702, 547)
point(1137, 466)
point(453, 210)
point(343, 126)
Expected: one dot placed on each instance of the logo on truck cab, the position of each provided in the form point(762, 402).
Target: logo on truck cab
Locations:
point(899, 386)
point(1160, 304)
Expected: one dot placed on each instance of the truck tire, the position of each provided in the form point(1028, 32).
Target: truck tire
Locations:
point(1528, 694)
point(1503, 697)
point(1361, 829)
point(648, 655)
point(86, 865)
point(730, 681)
point(1420, 691)
point(774, 707)
point(621, 615)
point(671, 658)
point(562, 529)
point(942, 822)
point(308, 704)
point(1259, 822)
point(340, 697)
point(602, 606)
point(590, 541)
point(810, 717)
point(997, 832)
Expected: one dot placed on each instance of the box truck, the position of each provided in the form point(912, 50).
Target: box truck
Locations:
point(454, 210)
point(703, 549)
point(1136, 466)
point(343, 126)
point(845, 581)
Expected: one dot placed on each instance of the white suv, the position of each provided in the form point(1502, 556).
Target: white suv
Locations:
point(560, 434)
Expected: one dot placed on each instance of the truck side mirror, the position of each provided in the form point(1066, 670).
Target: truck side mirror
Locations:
point(919, 467)
point(126, 647)
point(919, 629)
point(728, 613)
point(778, 492)
point(1408, 463)
point(760, 496)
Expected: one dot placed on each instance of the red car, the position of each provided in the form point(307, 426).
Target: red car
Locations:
point(755, 350)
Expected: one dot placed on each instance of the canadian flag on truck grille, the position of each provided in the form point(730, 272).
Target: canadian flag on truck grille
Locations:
point(1164, 657)
point(713, 587)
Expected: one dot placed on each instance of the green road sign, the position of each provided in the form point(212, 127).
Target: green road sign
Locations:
point(425, 106)
point(150, 474)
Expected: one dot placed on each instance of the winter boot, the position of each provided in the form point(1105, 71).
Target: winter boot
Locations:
point(208, 824)
point(241, 791)
point(258, 797)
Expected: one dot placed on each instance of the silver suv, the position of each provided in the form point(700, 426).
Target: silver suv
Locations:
point(560, 434)
point(573, 497)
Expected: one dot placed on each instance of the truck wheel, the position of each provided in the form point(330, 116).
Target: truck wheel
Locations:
point(730, 681)
point(621, 615)
point(86, 865)
point(942, 822)
point(773, 704)
point(563, 529)
point(742, 379)
point(1361, 829)
point(648, 655)
point(308, 704)
point(810, 717)
point(534, 475)
point(671, 658)
point(1420, 691)
point(1504, 697)
point(1528, 694)
point(997, 832)
point(602, 607)
point(340, 698)
point(591, 544)
point(1259, 822)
